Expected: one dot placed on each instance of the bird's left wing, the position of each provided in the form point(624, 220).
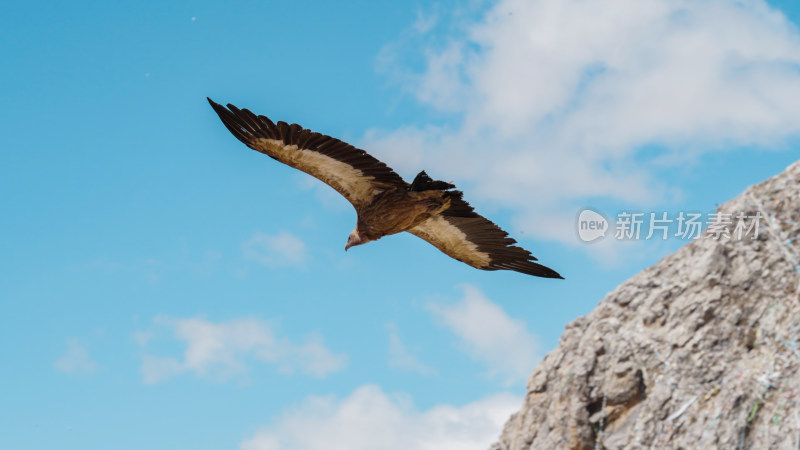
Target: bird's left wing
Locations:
point(351, 171)
point(465, 235)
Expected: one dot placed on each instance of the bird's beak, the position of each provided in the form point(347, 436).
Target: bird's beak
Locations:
point(351, 240)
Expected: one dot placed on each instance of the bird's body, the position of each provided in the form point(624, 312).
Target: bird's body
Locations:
point(384, 202)
point(397, 210)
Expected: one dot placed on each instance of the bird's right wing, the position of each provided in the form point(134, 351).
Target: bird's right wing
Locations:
point(351, 171)
point(463, 234)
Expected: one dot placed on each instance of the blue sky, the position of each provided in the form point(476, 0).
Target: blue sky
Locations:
point(163, 286)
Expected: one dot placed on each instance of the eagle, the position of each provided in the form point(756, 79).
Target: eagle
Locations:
point(385, 203)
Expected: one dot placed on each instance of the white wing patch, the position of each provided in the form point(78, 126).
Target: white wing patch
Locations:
point(450, 240)
point(349, 181)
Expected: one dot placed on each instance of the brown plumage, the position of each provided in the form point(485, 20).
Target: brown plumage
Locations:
point(385, 203)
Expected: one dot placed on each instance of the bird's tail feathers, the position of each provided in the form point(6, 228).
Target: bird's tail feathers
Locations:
point(422, 182)
point(458, 207)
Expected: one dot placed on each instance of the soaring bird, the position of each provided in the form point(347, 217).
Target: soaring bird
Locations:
point(385, 203)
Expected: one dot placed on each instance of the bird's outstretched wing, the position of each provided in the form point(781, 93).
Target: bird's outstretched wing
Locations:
point(351, 171)
point(463, 234)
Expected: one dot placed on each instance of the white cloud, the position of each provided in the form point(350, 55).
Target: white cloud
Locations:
point(224, 350)
point(369, 419)
point(401, 358)
point(488, 334)
point(561, 101)
point(155, 369)
point(282, 249)
point(75, 359)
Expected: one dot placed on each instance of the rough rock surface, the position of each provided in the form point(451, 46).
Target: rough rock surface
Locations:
point(698, 351)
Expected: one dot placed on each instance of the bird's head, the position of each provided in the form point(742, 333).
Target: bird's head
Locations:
point(355, 238)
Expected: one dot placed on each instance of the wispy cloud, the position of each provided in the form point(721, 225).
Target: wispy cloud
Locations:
point(224, 350)
point(557, 101)
point(281, 249)
point(75, 360)
point(425, 21)
point(489, 335)
point(369, 419)
point(401, 358)
point(324, 193)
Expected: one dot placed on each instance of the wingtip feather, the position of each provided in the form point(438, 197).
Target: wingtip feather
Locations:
point(546, 272)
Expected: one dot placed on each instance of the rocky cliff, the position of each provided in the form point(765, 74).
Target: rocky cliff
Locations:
point(698, 351)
